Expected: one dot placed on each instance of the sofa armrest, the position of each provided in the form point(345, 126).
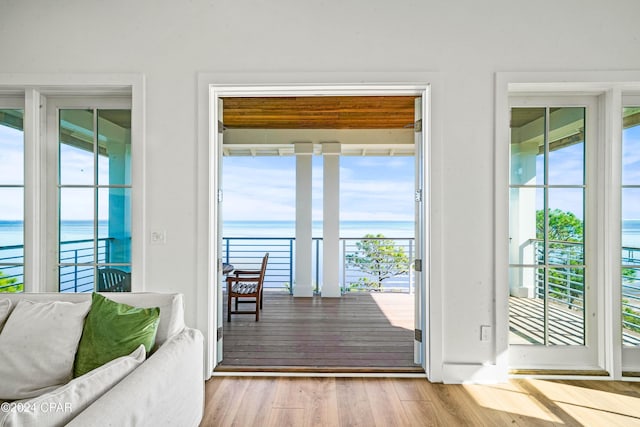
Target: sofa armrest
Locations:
point(166, 390)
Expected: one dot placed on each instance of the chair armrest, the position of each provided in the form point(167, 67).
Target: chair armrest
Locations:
point(242, 279)
point(236, 272)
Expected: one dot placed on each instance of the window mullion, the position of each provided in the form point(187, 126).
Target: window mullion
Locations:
point(545, 286)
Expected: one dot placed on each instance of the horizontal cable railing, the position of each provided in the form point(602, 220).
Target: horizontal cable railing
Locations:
point(356, 273)
point(77, 276)
point(566, 282)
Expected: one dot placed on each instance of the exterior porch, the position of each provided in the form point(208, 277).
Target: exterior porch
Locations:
point(359, 331)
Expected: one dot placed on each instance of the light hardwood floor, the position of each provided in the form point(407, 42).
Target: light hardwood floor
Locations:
point(386, 402)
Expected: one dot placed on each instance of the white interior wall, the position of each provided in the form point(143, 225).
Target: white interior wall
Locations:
point(465, 41)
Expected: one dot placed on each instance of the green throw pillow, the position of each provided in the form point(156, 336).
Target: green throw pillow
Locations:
point(112, 330)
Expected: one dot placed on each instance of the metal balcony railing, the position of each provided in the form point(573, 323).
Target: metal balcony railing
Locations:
point(247, 252)
point(566, 283)
point(77, 277)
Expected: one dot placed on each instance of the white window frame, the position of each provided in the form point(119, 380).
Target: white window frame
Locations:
point(53, 105)
point(35, 89)
point(610, 87)
point(16, 102)
point(630, 355)
point(590, 356)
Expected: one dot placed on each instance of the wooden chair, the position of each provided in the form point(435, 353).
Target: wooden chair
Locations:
point(113, 280)
point(246, 284)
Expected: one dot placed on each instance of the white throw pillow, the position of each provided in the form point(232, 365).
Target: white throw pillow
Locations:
point(61, 405)
point(38, 345)
point(5, 309)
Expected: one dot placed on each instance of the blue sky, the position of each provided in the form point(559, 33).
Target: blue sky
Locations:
point(371, 188)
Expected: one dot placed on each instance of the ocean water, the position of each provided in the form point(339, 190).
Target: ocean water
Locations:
point(248, 240)
point(11, 231)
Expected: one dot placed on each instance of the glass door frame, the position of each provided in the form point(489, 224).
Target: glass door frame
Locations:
point(51, 193)
point(214, 273)
point(17, 103)
point(630, 356)
point(591, 356)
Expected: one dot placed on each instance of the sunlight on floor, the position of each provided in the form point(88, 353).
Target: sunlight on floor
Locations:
point(506, 397)
point(589, 406)
point(398, 308)
point(559, 402)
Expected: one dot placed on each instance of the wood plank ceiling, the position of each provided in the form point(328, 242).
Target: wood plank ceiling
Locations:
point(319, 112)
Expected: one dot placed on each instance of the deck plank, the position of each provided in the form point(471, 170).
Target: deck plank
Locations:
point(358, 330)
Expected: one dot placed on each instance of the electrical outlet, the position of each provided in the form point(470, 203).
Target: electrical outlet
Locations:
point(485, 333)
point(158, 237)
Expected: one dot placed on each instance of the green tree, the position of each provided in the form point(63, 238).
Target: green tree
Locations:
point(565, 247)
point(563, 226)
point(7, 284)
point(379, 259)
point(565, 229)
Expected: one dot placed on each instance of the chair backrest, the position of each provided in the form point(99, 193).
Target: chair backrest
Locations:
point(263, 268)
point(113, 280)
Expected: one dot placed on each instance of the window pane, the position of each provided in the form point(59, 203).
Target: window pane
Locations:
point(76, 147)
point(566, 146)
point(631, 220)
point(566, 226)
point(566, 302)
point(526, 305)
point(76, 225)
point(631, 306)
point(114, 147)
point(11, 278)
point(11, 217)
point(11, 239)
point(114, 225)
point(631, 146)
point(527, 146)
point(526, 226)
point(11, 148)
point(76, 278)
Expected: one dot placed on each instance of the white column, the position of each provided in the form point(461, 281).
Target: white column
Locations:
point(119, 154)
point(303, 286)
point(523, 217)
point(331, 220)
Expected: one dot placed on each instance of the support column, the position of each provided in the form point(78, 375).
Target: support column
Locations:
point(522, 207)
point(331, 220)
point(303, 286)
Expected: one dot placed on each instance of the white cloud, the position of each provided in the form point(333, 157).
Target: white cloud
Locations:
point(369, 189)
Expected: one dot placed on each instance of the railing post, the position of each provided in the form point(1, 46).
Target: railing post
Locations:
point(227, 250)
point(75, 271)
point(107, 250)
point(317, 291)
point(291, 266)
point(344, 265)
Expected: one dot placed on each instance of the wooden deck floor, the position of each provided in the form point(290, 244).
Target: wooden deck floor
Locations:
point(566, 327)
point(368, 332)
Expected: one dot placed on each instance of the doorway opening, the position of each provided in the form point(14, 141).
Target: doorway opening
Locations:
point(302, 134)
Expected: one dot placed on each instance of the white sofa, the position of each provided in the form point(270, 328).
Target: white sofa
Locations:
point(167, 389)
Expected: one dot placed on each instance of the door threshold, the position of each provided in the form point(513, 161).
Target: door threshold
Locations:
point(560, 372)
point(318, 369)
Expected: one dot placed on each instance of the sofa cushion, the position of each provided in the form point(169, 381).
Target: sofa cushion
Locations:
point(112, 330)
point(5, 309)
point(37, 347)
point(61, 405)
point(171, 306)
point(171, 310)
